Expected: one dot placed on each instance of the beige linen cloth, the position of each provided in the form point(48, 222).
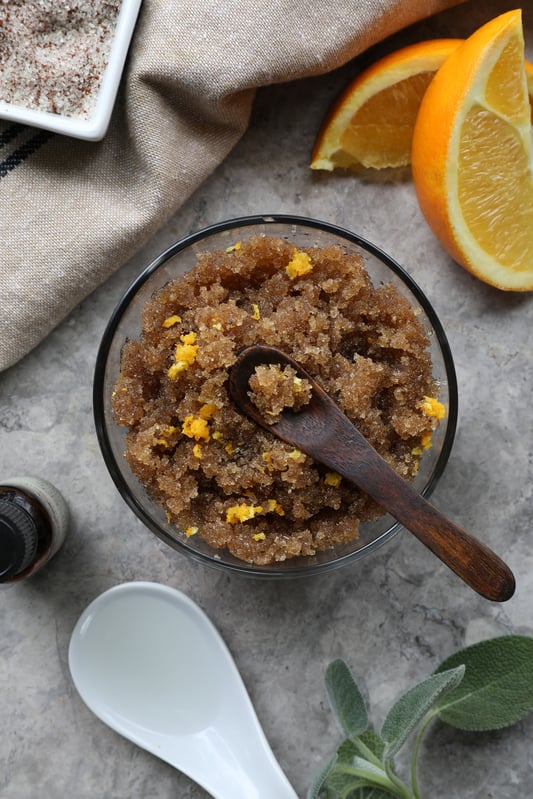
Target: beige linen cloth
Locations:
point(71, 212)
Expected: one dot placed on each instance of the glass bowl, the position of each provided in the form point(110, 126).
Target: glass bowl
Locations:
point(125, 323)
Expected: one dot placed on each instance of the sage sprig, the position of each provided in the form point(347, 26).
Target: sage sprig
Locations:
point(486, 686)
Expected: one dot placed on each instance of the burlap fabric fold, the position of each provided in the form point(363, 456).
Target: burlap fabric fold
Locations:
point(71, 212)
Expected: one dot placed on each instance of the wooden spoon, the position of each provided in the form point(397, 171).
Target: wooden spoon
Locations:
point(322, 430)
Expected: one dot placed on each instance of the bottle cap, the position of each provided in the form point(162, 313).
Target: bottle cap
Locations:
point(18, 540)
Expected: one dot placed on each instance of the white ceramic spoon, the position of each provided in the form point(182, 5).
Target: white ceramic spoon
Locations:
point(149, 663)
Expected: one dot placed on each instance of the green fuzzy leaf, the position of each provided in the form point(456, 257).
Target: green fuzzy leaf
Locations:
point(369, 793)
point(349, 772)
point(413, 706)
point(346, 752)
point(369, 770)
point(337, 780)
point(349, 749)
point(359, 773)
point(497, 689)
point(320, 779)
point(346, 700)
point(374, 742)
point(342, 784)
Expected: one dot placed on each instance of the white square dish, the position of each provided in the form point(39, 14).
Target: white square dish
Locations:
point(94, 126)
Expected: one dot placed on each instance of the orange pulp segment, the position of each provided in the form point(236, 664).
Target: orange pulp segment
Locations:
point(371, 123)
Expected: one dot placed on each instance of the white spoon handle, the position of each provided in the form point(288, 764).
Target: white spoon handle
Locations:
point(251, 773)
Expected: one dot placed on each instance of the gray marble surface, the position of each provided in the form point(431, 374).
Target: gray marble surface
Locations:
point(393, 617)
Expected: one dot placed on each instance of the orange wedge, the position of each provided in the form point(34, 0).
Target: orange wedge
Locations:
point(472, 156)
point(371, 124)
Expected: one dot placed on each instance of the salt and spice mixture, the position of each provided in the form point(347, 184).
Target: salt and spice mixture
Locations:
point(53, 53)
point(216, 473)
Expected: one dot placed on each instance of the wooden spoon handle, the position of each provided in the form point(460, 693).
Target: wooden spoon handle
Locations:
point(355, 459)
point(328, 436)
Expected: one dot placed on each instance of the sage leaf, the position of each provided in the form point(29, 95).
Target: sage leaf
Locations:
point(369, 793)
point(373, 742)
point(320, 779)
point(347, 751)
point(497, 689)
point(369, 770)
point(368, 745)
point(363, 772)
point(341, 784)
point(334, 783)
point(345, 699)
point(412, 706)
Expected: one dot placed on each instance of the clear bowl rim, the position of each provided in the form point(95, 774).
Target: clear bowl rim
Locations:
point(99, 383)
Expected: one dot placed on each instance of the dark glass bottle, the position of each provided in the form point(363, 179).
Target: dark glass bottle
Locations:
point(33, 525)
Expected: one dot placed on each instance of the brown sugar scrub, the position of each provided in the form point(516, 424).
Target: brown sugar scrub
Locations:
point(217, 474)
point(273, 390)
